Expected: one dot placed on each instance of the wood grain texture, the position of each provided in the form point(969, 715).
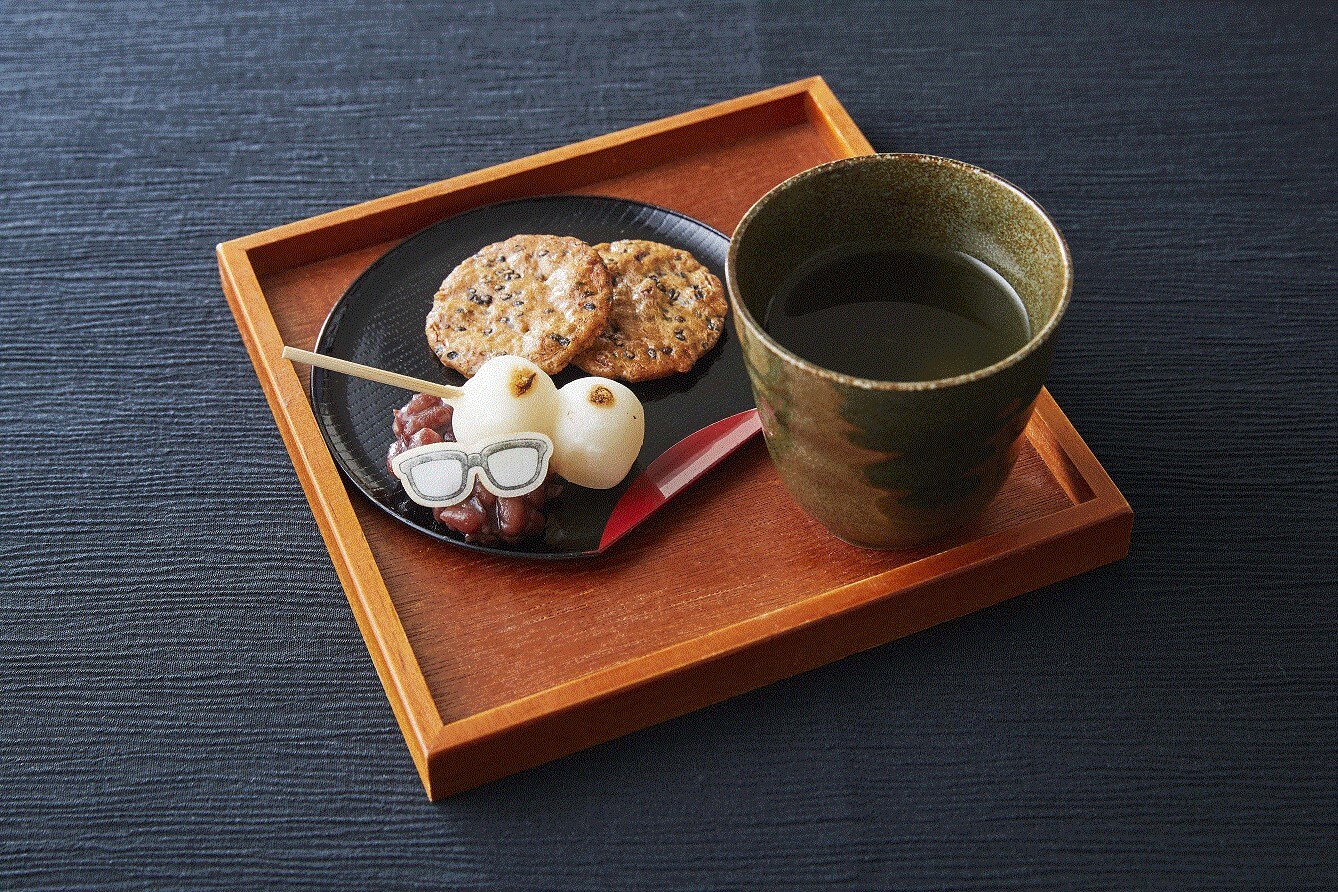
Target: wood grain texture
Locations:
point(182, 710)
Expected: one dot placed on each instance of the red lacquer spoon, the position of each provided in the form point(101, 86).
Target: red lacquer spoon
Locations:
point(675, 470)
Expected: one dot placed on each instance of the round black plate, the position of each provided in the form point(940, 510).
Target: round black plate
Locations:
point(379, 322)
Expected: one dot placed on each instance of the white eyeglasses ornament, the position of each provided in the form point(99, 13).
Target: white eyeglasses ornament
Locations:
point(441, 474)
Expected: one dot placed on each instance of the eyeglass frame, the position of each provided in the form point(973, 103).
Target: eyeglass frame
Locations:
point(474, 458)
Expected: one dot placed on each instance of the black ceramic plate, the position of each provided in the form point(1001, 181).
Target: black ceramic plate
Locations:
point(379, 322)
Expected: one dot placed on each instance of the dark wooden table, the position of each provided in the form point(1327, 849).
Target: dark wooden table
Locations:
point(185, 699)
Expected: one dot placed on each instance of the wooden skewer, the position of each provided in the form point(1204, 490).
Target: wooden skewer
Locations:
point(358, 370)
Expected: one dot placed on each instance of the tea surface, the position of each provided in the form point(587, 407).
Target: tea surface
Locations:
point(898, 314)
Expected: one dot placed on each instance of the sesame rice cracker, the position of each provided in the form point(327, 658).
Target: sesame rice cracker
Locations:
point(667, 311)
point(543, 297)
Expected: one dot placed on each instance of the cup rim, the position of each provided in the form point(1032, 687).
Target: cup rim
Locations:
point(1031, 346)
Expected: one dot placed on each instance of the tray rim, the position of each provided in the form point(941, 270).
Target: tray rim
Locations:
point(463, 753)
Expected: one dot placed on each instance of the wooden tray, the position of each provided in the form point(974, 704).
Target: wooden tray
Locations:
point(496, 665)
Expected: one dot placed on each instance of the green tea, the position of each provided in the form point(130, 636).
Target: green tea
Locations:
point(898, 314)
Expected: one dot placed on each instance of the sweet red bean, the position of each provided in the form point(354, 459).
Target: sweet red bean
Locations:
point(485, 498)
point(424, 437)
point(512, 517)
point(437, 418)
point(421, 402)
point(465, 517)
point(483, 517)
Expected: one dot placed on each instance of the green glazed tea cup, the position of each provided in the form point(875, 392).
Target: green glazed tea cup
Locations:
point(887, 464)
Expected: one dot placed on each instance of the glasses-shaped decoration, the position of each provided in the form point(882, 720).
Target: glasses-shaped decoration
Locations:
point(442, 474)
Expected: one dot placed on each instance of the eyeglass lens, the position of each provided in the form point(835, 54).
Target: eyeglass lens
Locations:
point(440, 478)
point(513, 467)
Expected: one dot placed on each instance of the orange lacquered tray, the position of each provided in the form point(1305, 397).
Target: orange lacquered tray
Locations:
point(496, 665)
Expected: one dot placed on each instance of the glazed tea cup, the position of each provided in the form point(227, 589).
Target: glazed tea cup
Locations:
point(891, 464)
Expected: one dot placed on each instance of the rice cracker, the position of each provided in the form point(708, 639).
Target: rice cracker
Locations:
point(667, 311)
point(543, 297)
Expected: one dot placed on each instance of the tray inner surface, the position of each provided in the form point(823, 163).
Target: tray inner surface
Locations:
point(487, 631)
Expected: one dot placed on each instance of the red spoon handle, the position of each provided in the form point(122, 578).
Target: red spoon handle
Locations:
point(673, 471)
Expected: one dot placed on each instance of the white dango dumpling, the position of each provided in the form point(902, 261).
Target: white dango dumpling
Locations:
point(507, 395)
point(600, 426)
point(596, 424)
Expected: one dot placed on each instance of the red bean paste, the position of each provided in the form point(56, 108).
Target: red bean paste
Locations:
point(483, 517)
